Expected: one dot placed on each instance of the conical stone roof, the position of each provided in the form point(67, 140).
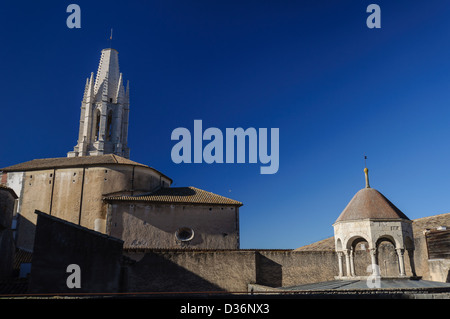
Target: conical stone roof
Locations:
point(369, 203)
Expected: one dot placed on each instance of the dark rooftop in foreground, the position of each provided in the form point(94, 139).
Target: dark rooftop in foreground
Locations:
point(10, 190)
point(385, 283)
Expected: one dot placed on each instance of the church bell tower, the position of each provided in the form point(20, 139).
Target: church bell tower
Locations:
point(104, 111)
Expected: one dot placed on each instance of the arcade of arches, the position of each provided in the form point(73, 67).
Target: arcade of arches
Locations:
point(369, 227)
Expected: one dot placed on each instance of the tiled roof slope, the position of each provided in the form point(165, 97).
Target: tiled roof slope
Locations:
point(419, 225)
point(370, 203)
point(44, 163)
point(185, 195)
point(64, 162)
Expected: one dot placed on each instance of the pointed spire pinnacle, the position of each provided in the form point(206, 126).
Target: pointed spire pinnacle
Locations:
point(120, 95)
point(90, 90)
point(86, 89)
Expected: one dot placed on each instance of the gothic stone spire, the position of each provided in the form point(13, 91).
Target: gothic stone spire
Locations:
point(104, 111)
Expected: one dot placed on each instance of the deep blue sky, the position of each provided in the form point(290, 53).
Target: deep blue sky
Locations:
point(336, 89)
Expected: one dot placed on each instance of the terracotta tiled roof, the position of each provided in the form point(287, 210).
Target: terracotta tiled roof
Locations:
point(186, 195)
point(63, 162)
point(44, 163)
point(370, 203)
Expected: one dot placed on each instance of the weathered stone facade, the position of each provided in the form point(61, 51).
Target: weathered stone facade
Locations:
point(73, 189)
point(147, 225)
point(233, 270)
point(125, 199)
point(179, 217)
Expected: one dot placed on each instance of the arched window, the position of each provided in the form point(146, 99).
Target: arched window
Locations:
point(97, 124)
point(338, 245)
point(109, 126)
point(387, 258)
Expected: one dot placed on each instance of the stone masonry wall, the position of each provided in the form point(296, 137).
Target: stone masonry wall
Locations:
point(76, 194)
point(225, 270)
point(234, 270)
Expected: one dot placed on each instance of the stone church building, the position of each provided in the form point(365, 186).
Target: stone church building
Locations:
point(98, 187)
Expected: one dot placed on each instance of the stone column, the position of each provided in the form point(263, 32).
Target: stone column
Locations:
point(373, 257)
point(401, 263)
point(347, 261)
point(341, 272)
point(411, 261)
point(352, 262)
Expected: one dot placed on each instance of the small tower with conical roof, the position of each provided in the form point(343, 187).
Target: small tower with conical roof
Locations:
point(370, 217)
point(104, 111)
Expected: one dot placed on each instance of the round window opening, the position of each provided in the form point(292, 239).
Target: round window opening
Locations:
point(184, 234)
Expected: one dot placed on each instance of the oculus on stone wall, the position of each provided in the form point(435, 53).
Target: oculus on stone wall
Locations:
point(184, 234)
